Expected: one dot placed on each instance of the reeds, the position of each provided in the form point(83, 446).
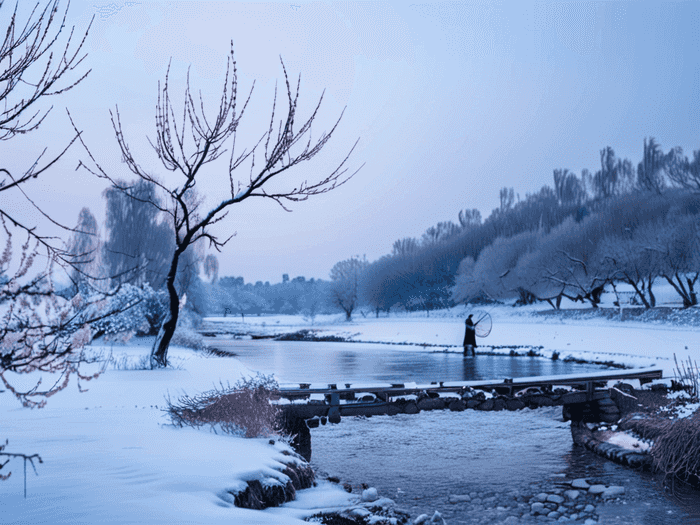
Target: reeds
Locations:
point(243, 409)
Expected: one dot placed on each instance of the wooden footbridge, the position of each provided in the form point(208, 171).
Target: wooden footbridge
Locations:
point(306, 405)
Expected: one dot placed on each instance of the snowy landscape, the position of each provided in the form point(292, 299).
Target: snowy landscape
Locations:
point(160, 308)
point(111, 455)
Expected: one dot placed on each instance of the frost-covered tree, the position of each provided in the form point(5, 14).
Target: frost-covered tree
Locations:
point(566, 259)
point(139, 242)
point(440, 232)
point(405, 246)
point(650, 171)
point(568, 188)
point(211, 267)
point(85, 247)
point(631, 260)
point(676, 242)
point(469, 218)
point(491, 276)
point(681, 171)
point(346, 278)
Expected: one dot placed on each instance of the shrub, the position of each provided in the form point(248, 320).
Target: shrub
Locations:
point(143, 319)
point(188, 338)
point(676, 450)
point(242, 410)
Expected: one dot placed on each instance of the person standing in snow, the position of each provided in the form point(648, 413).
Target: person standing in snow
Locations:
point(469, 336)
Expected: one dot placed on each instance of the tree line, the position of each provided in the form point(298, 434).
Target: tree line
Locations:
point(569, 240)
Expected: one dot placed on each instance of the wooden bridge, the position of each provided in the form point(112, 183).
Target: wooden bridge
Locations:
point(349, 399)
point(307, 405)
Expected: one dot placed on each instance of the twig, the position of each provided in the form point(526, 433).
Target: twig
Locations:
point(26, 458)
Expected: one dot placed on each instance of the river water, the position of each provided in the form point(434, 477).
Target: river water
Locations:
point(420, 460)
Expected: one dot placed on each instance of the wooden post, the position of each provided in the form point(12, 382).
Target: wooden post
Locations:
point(589, 390)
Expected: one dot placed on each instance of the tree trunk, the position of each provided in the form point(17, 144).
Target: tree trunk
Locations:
point(652, 298)
point(691, 289)
point(680, 289)
point(640, 293)
point(159, 352)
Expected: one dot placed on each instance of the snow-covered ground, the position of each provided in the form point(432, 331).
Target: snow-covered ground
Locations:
point(111, 456)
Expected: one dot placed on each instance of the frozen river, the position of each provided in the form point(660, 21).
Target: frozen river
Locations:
point(420, 460)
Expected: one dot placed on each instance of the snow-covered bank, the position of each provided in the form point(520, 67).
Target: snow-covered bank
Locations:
point(111, 456)
point(595, 339)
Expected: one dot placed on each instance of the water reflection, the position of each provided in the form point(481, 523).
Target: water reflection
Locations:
point(419, 460)
point(294, 361)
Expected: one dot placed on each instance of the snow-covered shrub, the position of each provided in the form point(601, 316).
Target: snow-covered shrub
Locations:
point(188, 338)
point(154, 307)
point(142, 319)
point(186, 331)
point(189, 319)
point(242, 410)
point(127, 362)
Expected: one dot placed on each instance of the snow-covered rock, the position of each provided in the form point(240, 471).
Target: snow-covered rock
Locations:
point(370, 494)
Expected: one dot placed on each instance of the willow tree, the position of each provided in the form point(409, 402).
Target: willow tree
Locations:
point(189, 146)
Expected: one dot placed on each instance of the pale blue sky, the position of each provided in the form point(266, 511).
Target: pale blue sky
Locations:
point(451, 101)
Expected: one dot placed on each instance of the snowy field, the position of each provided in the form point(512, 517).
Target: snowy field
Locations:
point(110, 455)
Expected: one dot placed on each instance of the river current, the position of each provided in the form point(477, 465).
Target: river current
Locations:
point(420, 460)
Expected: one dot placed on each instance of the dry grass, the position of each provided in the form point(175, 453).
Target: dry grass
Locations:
point(676, 449)
point(688, 376)
point(243, 409)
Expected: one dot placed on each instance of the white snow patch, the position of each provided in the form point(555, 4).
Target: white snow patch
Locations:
point(626, 441)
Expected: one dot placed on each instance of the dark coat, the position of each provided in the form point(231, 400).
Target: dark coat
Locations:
point(469, 334)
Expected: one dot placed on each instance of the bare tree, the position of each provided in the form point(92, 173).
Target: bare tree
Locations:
point(650, 171)
point(405, 246)
point(30, 72)
point(469, 218)
point(681, 171)
point(630, 260)
point(568, 188)
point(188, 147)
point(346, 278)
point(676, 243)
point(438, 233)
point(507, 199)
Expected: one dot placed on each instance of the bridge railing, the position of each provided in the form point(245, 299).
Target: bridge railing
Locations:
point(509, 385)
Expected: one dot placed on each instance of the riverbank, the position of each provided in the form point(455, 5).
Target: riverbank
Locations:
point(109, 453)
point(647, 338)
point(583, 336)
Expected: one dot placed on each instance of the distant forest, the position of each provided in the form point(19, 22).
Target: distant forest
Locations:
point(584, 234)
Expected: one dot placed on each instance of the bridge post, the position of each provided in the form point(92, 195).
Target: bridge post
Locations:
point(301, 435)
point(334, 409)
